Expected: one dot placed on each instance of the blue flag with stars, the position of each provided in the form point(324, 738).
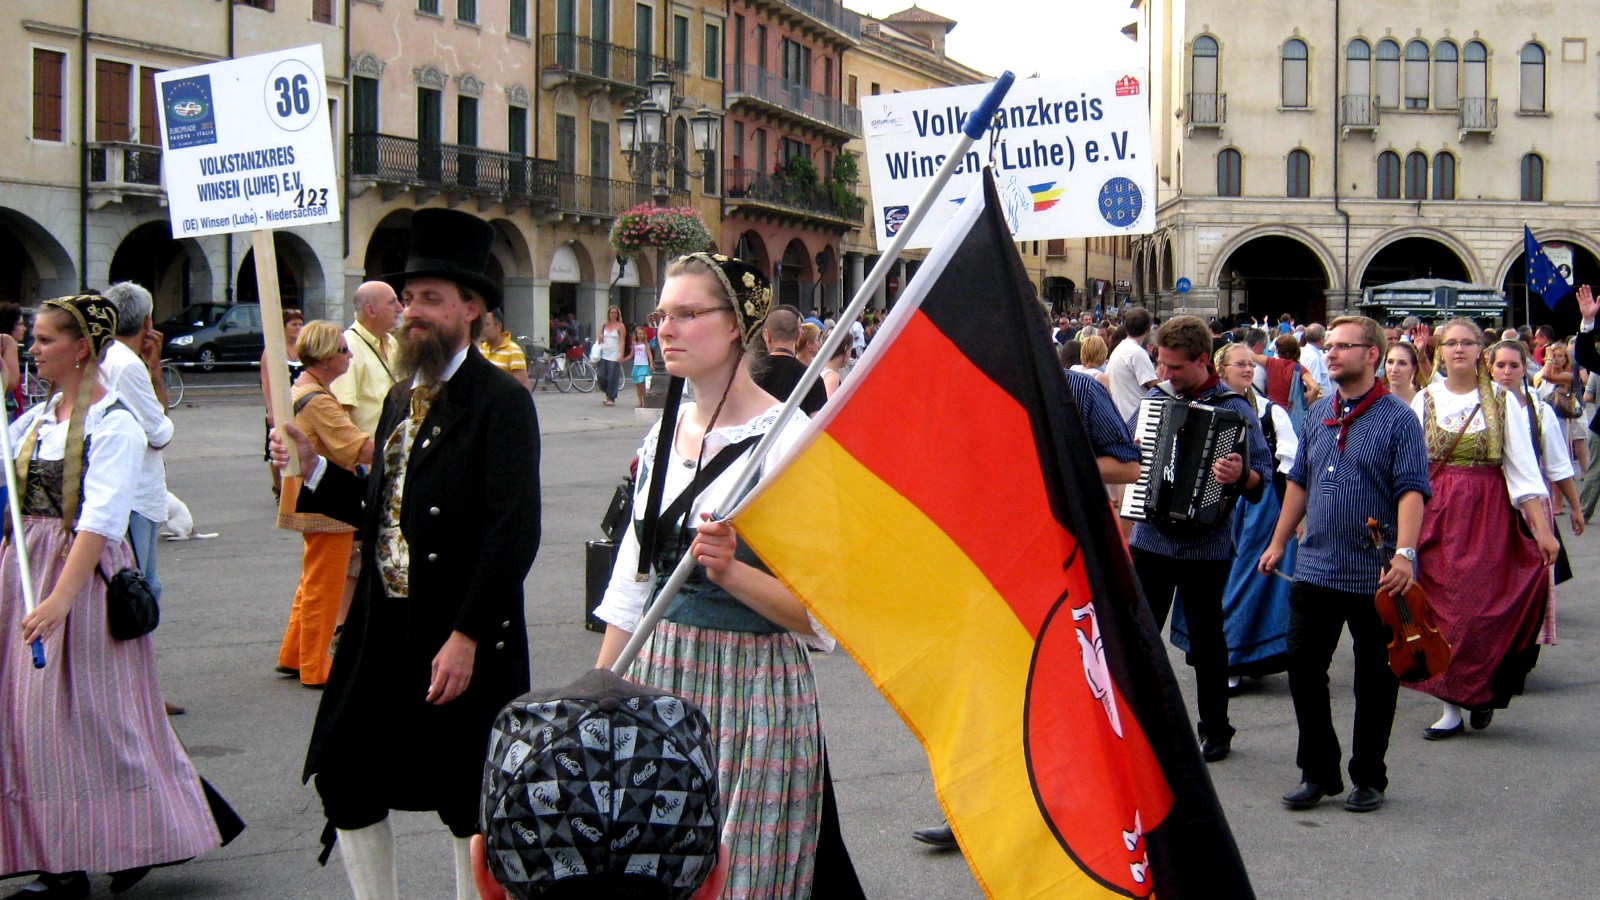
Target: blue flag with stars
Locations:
point(1543, 279)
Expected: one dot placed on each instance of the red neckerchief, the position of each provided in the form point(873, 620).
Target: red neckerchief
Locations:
point(1343, 422)
point(1210, 382)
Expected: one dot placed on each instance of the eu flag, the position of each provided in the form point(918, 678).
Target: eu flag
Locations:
point(1543, 279)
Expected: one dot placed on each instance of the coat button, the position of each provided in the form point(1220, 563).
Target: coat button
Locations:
point(506, 624)
point(433, 510)
point(435, 431)
point(500, 646)
point(433, 557)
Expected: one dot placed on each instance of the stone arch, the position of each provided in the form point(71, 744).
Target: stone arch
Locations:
point(797, 275)
point(1513, 252)
point(752, 248)
point(599, 108)
point(1525, 309)
point(301, 281)
point(33, 264)
point(1330, 266)
point(388, 245)
point(568, 262)
point(1469, 260)
point(1272, 272)
point(175, 272)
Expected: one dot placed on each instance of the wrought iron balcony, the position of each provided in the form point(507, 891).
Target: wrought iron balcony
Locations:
point(781, 96)
point(397, 163)
point(573, 57)
point(119, 170)
point(1207, 111)
point(833, 15)
point(589, 197)
point(775, 193)
point(1479, 115)
point(1358, 112)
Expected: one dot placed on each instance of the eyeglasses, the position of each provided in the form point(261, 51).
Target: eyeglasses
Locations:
point(1242, 365)
point(345, 350)
point(1457, 345)
point(685, 316)
point(1342, 347)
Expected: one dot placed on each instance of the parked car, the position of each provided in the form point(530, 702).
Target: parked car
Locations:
point(205, 335)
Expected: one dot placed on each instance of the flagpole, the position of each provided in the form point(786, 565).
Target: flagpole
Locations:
point(977, 123)
point(19, 543)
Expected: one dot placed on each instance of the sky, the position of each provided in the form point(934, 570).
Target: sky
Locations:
point(1050, 37)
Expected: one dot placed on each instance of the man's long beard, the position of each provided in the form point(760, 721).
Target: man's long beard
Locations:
point(424, 351)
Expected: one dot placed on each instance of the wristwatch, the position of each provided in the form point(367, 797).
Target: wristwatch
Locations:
point(1409, 553)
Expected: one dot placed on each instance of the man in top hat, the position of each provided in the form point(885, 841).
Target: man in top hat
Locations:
point(435, 643)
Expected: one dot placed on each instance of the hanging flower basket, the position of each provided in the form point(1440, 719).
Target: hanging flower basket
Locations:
point(674, 230)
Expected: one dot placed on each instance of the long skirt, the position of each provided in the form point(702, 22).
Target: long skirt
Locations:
point(316, 605)
point(92, 776)
point(759, 695)
point(1487, 586)
point(1255, 607)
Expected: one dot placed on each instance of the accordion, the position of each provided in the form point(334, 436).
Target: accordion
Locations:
point(1178, 441)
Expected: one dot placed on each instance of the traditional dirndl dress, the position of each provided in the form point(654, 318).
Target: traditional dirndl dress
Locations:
point(92, 776)
point(1483, 573)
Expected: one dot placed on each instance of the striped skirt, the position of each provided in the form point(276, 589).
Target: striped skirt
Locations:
point(758, 693)
point(92, 776)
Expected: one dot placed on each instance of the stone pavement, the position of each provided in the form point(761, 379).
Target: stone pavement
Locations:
point(1499, 814)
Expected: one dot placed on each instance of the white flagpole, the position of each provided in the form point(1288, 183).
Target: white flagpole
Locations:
point(19, 545)
point(977, 123)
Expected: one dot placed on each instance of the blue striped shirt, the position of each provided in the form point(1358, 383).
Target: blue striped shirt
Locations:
point(1384, 457)
point(1184, 541)
point(1108, 434)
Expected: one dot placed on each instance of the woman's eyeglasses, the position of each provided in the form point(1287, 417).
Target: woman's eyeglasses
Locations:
point(685, 316)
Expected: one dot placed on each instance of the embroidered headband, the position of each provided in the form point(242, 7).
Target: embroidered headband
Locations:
point(747, 289)
point(96, 317)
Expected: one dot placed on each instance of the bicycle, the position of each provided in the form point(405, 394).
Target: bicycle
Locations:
point(544, 367)
point(580, 371)
point(172, 379)
point(34, 389)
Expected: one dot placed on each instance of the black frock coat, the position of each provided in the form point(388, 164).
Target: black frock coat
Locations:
point(470, 514)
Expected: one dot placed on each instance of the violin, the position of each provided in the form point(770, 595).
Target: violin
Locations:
point(1417, 651)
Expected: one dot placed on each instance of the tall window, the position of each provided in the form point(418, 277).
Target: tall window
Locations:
point(48, 68)
point(761, 150)
point(430, 134)
point(760, 38)
point(1533, 178)
point(518, 24)
point(1388, 74)
point(1295, 90)
point(466, 10)
point(1416, 75)
point(1388, 175)
point(796, 63)
point(1230, 173)
point(112, 112)
point(713, 66)
point(600, 148)
point(364, 124)
point(1416, 176)
point(1299, 174)
point(1532, 78)
point(1444, 177)
point(855, 89)
point(566, 143)
point(680, 40)
point(1203, 67)
point(1444, 75)
point(600, 30)
point(644, 26)
point(738, 145)
point(517, 130)
point(149, 122)
point(1358, 71)
point(792, 148)
point(1476, 57)
point(680, 142)
point(322, 11)
point(467, 121)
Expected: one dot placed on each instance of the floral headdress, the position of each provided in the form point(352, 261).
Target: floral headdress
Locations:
point(747, 289)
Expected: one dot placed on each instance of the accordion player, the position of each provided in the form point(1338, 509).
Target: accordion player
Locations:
point(1178, 442)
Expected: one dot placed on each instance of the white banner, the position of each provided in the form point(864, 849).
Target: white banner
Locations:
point(1071, 156)
point(246, 144)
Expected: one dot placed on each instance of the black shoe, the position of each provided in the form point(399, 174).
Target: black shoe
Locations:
point(1363, 800)
point(1443, 734)
point(941, 838)
point(71, 886)
point(1215, 749)
point(127, 878)
point(174, 709)
point(1480, 719)
point(1309, 794)
point(286, 671)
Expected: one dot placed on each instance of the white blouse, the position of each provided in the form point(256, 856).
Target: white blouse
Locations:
point(116, 447)
point(1288, 441)
point(1524, 481)
point(1555, 459)
point(625, 596)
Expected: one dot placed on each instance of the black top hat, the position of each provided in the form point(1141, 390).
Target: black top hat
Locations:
point(452, 245)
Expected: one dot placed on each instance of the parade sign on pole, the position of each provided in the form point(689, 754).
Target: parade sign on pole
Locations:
point(1071, 156)
point(246, 144)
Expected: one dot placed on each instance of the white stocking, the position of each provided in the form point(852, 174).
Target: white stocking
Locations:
point(368, 855)
point(1450, 718)
point(466, 888)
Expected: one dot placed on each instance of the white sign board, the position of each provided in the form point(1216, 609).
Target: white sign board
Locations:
point(1071, 156)
point(246, 144)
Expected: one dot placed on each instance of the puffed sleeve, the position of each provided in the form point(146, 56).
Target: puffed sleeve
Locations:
point(1288, 441)
point(625, 596)
point(115, 447)
point(1555, 458)
point(1524, 481)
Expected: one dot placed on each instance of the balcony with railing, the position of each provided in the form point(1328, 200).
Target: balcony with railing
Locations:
point(777, 95)
point(1358, 112)
point(396, 164)
point(1207, 111)
point(593, 199)
point(826, 12)
point(574, 58)
point(750, 191)
point(119, 170)
point(1479, 115)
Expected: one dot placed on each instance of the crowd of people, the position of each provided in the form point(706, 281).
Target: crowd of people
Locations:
point(1372, 456)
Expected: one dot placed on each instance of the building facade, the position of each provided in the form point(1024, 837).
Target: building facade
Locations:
point(82, 203)
point(1308, 152)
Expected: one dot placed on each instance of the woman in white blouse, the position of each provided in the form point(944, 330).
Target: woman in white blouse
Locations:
point(96, 779)
point(734, 640)
point(1488, 497)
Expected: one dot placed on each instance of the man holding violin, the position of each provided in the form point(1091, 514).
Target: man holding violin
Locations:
point(1361, 455)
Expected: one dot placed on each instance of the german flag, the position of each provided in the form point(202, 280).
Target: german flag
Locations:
point(944, 519)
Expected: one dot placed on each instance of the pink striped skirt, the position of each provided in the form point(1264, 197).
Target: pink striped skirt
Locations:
point(92, 776)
